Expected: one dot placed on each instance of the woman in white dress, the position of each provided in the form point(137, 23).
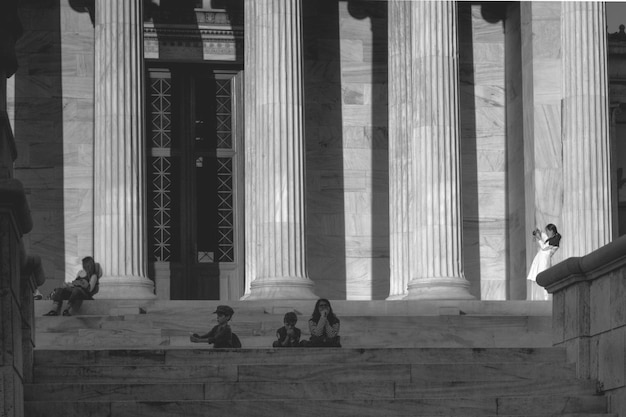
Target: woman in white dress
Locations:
point(548, 242)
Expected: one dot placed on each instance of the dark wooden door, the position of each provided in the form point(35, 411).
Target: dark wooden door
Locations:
point(206, 191)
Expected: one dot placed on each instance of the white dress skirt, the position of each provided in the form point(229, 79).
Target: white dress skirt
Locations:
point(542, 261)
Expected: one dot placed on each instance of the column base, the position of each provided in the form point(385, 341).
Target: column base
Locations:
point(128, 287)
point(396, 297)
point(451, 288)
point(281, 289)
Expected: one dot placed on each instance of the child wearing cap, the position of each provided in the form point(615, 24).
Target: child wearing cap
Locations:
point(221, 336)
point(289, 334)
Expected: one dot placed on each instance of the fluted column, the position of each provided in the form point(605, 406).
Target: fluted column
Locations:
point(437, 240)
point(276, 178)
point(119, 176)
point(587, 199)
point(401, 188)
point(250, 154)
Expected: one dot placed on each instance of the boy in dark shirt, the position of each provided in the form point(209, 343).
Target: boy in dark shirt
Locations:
point(221, 336)
point(289, 334)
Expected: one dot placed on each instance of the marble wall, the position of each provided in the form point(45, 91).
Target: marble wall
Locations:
point(483, 146)
point(347, 161)
point(516, 191)
point(541, 69)
point(617, 92)
point(51, 107)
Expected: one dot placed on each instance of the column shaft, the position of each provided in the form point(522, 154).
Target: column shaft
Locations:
point(275, 182)
point(437, 240)
point(401, 199)
point(119, 176)
point(587, 200)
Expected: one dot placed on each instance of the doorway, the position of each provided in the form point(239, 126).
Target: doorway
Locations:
point(195, 193)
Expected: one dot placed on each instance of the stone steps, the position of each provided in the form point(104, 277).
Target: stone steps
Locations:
point(339, 382)
point(138, 357)
point(204, 308)
point(575, 406)
point(131, 359)
point(311, 390)
point(400, 372)
point(158, 330)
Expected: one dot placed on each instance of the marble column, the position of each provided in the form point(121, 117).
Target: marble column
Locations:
point(119, 151)
point(587, 197)
point(276, 178)
point(250, 154)
point(400, 162)
point(437, 242)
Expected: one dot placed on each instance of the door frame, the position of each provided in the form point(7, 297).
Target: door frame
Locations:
point(231, 274)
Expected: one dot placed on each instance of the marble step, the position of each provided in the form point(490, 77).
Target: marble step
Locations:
point(202, 308)
point(578, 406)
point(346, 372)
point(268, 323)
point(103, 339)
point(259, 331)
point(305, 356)
point(302, 390)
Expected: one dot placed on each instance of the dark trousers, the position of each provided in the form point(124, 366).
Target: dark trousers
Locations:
point(323, 341)
point(73, 295)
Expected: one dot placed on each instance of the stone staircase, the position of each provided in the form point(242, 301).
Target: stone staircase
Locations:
point(454, 360)
point(106, 324)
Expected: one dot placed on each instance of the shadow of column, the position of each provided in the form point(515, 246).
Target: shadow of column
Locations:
point(469, 163)
point(325, 214)
point(376, 11)
point(516, 232)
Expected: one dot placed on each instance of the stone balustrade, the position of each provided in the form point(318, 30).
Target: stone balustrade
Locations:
point(589, 316)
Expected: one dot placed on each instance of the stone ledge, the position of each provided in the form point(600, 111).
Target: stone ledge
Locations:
point(586, 268)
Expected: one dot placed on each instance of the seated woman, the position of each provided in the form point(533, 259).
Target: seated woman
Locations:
point(324, 326)
point(84, 287)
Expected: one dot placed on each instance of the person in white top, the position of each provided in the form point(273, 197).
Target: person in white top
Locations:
point(548, 242)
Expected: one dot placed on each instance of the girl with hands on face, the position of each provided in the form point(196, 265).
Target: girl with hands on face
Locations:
point(324, 326)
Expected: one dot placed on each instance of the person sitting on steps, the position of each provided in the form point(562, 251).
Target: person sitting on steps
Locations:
point(289, 334)
point(84, 287)
point(324, 326)
point(221, 335)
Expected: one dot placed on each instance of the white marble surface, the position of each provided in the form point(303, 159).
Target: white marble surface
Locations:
point(435, 185)
point(119, 172)
point(275, 179)
point(587, 193)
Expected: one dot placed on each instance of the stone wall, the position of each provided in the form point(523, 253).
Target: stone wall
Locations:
point(346, 135)
point(589, 316)
point(16, 306)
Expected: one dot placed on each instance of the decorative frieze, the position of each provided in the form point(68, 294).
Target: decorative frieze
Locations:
point(208, 35)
